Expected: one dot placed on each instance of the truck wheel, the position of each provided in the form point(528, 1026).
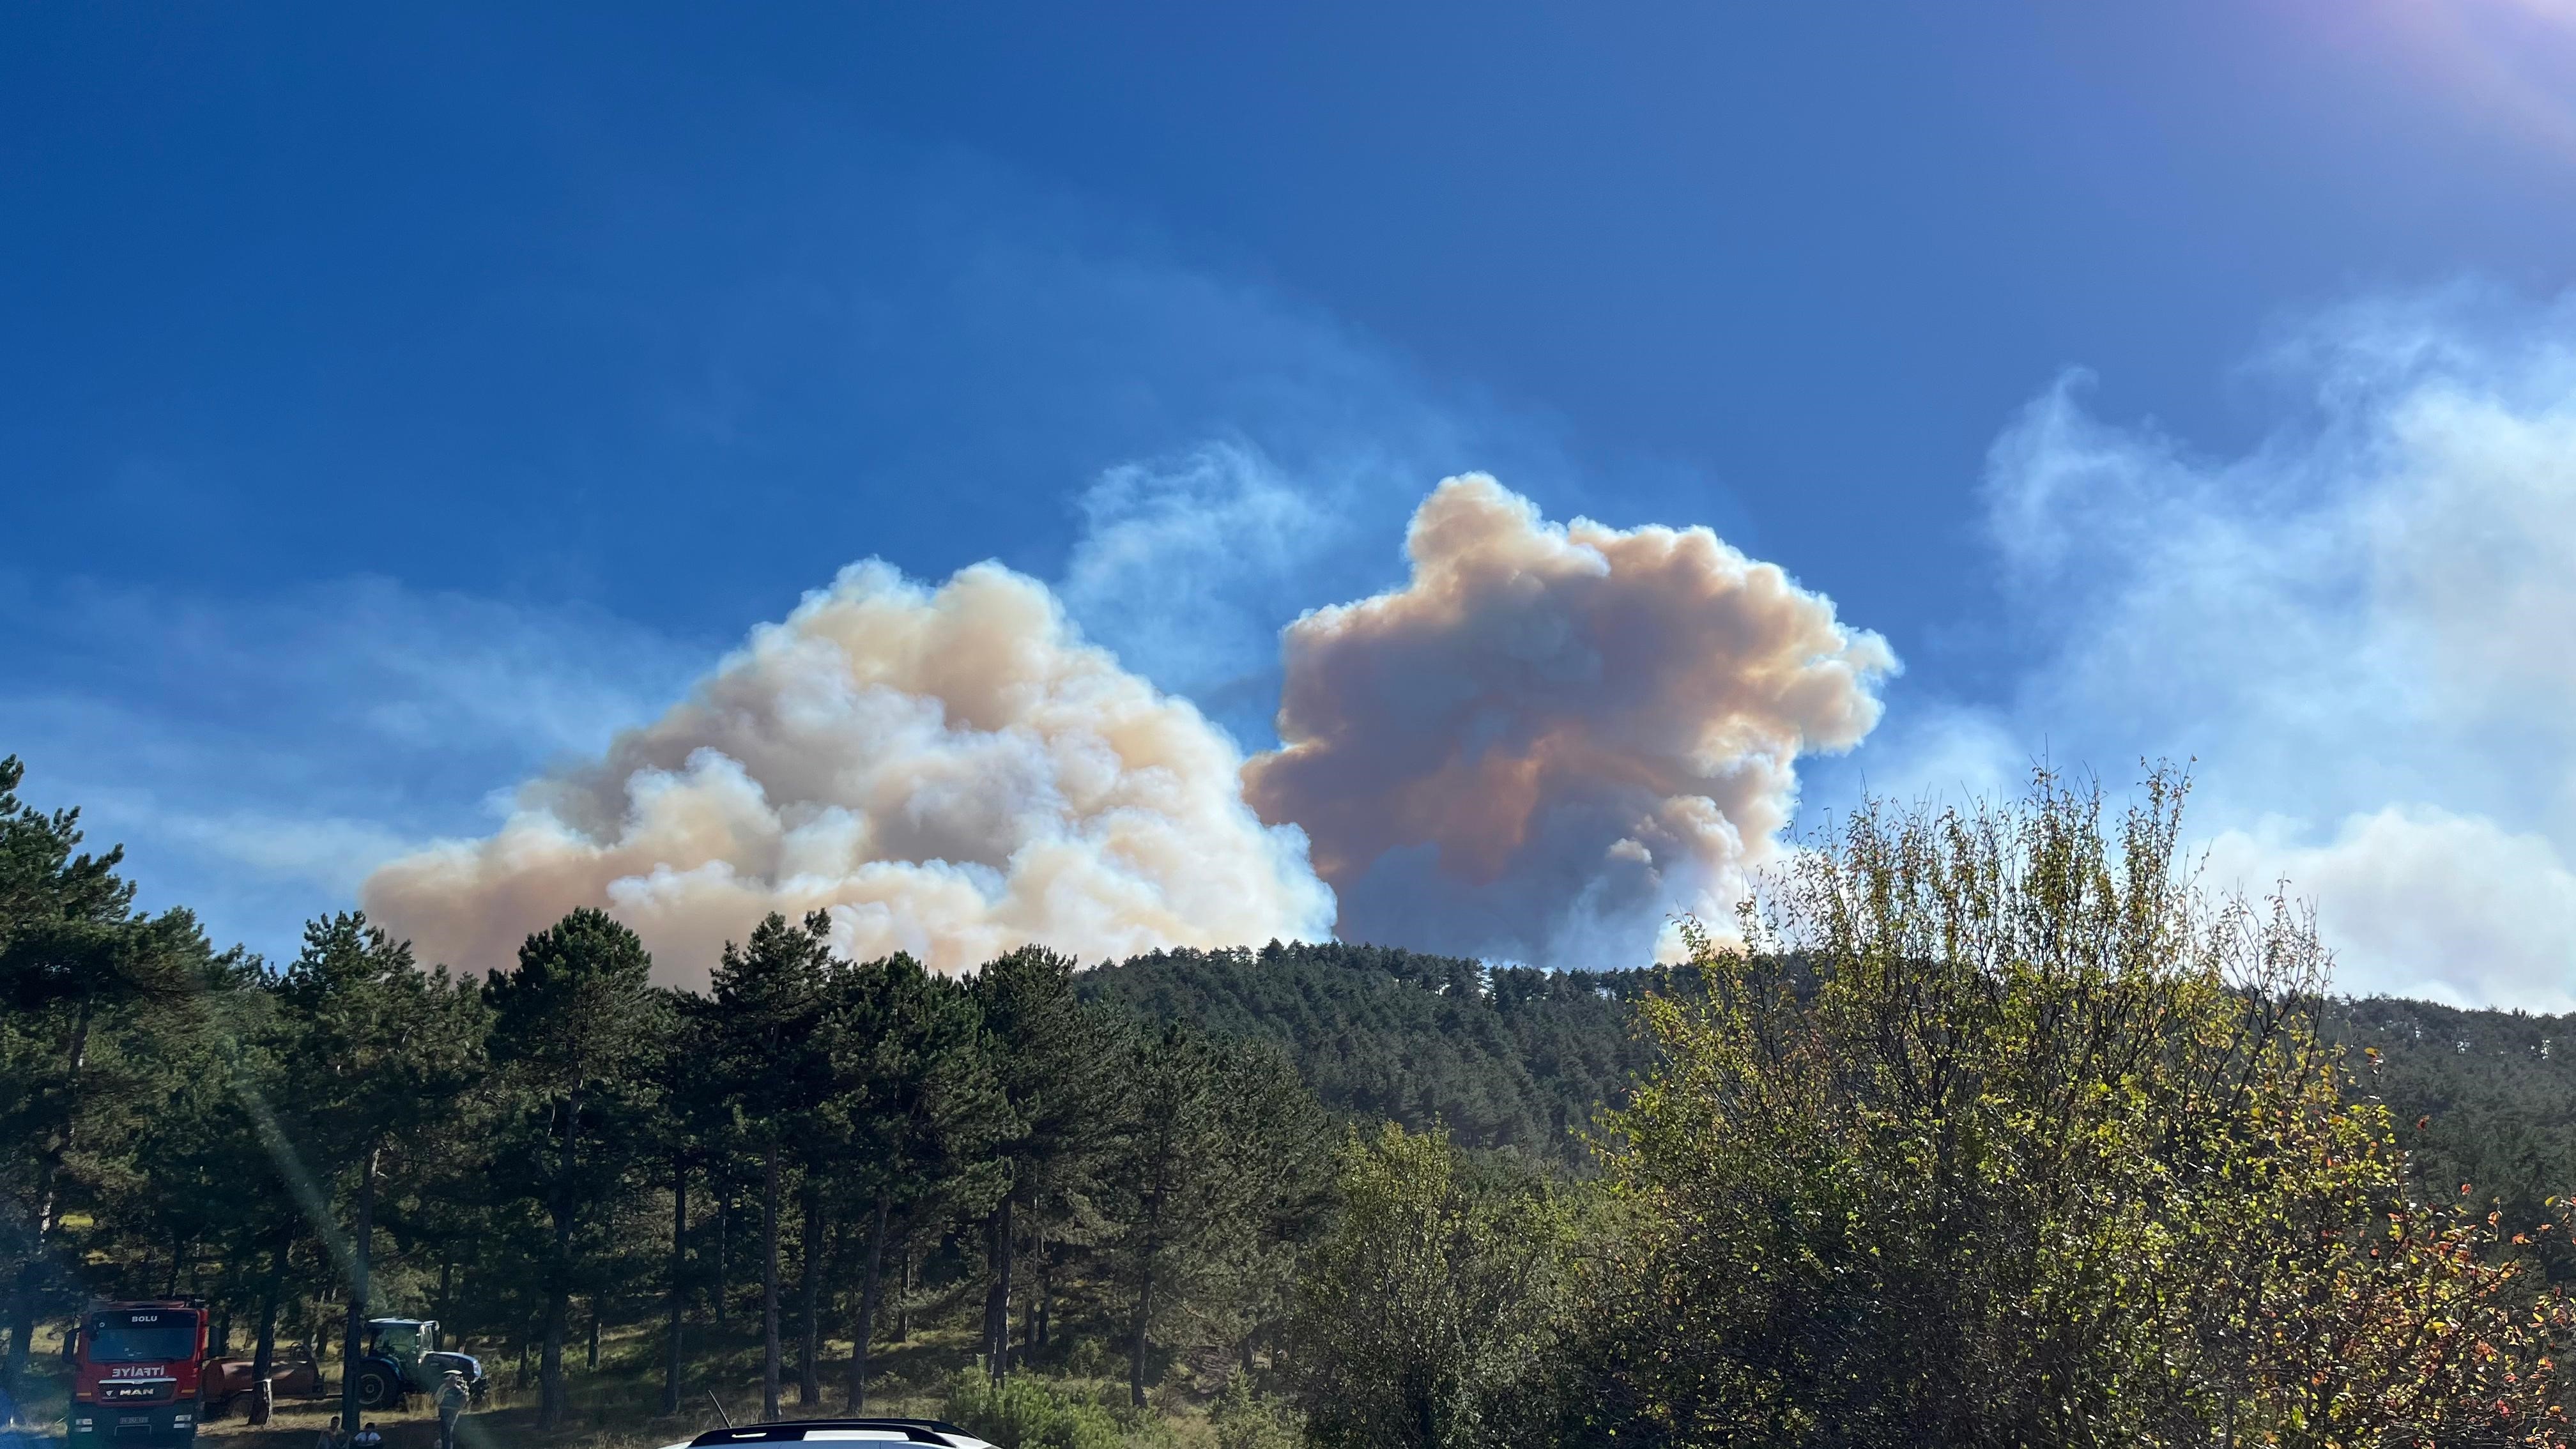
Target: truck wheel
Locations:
point(376, 1388)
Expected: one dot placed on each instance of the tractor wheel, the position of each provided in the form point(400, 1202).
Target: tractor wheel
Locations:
point(377, 1388)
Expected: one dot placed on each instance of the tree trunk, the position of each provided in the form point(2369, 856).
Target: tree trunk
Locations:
point(361, 1260)
point(263, 1354)
point(593, 1361)
point(1042, 1294)
point(22, 1309)
point(997, 1291)
point(724, 1238)
point(769, 1356)
point(679, 1284)
point(1149, 1253)
point(550, 1380)
point(1136, 1341)
point(22, 1327)
point(869, 1282)
point(46, 1181)
point(553, 1402)
point(903, 1299)
point(809, 1288)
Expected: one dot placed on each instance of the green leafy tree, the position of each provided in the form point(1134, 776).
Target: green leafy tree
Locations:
point(574, 1030)
point(1995, 1132)
point(1429, 1316)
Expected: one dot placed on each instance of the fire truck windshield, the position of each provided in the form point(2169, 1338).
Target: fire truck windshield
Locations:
point(116, 1338)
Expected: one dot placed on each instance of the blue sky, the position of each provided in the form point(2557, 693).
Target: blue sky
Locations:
point(397, 402)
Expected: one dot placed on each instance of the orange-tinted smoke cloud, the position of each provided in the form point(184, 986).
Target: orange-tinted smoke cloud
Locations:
point(1553, 737)
point(949, 772)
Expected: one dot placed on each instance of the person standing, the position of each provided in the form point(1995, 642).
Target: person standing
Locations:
point(452, 1398)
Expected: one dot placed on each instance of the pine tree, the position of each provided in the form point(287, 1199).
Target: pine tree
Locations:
point(573, 1032)
point(772, 995)
point(1053, 1057)
point(77, 963)
point(382, 1052)
point(918, 1090)
point(683, 1133)
point(1166, 1191)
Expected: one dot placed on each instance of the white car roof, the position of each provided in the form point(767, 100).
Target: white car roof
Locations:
point(866, 1431)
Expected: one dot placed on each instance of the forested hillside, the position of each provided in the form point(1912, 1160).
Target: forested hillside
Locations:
point(2484, 1100)
point(1519, 1059)
point(1499, 1057)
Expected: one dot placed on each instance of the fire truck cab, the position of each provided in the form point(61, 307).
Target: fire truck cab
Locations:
point(137, 1376)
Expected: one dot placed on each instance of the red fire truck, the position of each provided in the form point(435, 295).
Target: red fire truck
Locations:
point(137, 1376)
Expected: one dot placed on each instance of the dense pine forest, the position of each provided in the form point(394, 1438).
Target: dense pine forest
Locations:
point(1520, 1060)
point(1860, 1184)
point(1498, 1057)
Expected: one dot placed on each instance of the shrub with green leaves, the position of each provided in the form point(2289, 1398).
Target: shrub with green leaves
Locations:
point(1027, 1413)
point(1247, 1419)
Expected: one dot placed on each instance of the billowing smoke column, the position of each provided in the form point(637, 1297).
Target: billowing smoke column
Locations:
point(951, 773)
point(1553, 737)
point(1547, 742)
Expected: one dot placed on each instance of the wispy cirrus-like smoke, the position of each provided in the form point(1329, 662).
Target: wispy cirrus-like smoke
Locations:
point(2357, 627)
point(949, 772)
point(1553, 737)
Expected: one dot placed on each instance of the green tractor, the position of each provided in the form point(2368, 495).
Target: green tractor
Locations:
point(403, 1358)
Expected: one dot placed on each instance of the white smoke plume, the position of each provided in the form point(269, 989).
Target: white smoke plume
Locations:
point(1552, 737)
point(2358, 627)
point(949, 772)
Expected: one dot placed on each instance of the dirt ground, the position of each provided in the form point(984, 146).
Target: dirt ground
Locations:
point(498, 1424)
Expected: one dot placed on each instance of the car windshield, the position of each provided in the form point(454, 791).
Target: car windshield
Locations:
point(161, 1338)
